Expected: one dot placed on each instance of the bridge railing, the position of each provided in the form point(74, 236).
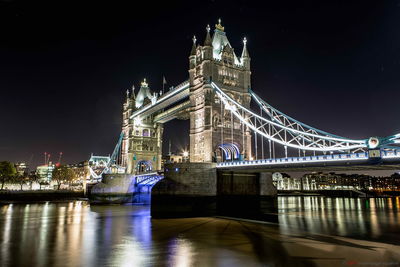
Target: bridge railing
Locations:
point(297, 160)
point(389, 154)
point(148, 179)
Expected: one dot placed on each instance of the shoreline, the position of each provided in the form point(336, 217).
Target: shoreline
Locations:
point(66, 195)
point(41, 196)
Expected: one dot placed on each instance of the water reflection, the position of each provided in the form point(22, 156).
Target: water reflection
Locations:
point(182, 253)
point(373, 219)
point(77, 234)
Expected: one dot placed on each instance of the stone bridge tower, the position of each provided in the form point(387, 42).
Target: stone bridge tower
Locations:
point(142, 141)
point(211, 125)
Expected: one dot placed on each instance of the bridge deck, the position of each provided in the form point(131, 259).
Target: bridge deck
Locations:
point(172, 113)
point(338, 162)
point(177, 94)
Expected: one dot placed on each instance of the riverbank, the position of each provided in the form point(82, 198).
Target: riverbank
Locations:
point(339, 193)
point(40, 195)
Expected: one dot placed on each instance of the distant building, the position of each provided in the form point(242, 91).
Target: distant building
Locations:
point(45, 172)
point(22, 168)
point(175, 158)
point(333, 181)
point(81, 170)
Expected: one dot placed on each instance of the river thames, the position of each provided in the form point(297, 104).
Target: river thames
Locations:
point(312, 231)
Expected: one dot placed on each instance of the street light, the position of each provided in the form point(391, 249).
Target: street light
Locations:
point(185, 155)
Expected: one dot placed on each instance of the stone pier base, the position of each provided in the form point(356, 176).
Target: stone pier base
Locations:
point(198, 189)
point(247, 195)
point(187, 190)
point(115, 189)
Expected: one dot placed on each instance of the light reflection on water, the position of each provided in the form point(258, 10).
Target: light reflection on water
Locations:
point(77, 234)
point(373, 219)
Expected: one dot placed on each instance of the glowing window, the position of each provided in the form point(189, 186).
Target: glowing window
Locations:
point(146, 132)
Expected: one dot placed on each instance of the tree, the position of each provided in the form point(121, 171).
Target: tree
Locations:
point(7, 171)
point(19, 179)
point(34, 178)
point(62, 175)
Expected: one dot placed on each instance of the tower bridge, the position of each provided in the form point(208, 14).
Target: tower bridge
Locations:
point(228, 136)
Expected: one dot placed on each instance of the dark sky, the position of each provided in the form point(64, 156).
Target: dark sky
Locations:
point(65, 66)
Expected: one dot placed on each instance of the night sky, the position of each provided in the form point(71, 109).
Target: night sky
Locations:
point(65, 66)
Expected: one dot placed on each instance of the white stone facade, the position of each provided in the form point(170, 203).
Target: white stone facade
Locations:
point(211, 124)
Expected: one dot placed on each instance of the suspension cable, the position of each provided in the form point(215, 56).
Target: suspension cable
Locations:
point(255, 139)
point(270, 150)
point(258, 124)
point(243, 145)
point(232, 124)
point(222, 127)
point(273, 150)
point(262, 139)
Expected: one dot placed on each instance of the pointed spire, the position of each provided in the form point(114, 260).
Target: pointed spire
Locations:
point(133, 91)
point(193, 52)
point(144, 83)
point(219, 26)
point(207, 41)
point(127, 93)
point(245, 53)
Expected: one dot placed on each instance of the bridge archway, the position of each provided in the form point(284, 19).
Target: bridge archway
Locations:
point(143, 166)
point(227, 152)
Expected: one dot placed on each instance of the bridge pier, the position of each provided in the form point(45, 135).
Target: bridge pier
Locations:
point(246, 195)
point(187, 190)
point(118, 189)
point(113, 188)
point(198, 189)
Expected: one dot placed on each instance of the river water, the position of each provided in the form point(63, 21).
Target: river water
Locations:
point(312, 231)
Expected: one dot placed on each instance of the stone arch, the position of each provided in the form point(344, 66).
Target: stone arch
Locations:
point(144, 166)
point(227, 152)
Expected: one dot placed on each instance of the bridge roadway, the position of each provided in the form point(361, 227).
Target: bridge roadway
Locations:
point(173, 96)
point(390, 160)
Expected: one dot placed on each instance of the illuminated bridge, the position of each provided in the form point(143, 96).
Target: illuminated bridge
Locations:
point(236, 138)
point(262, 133)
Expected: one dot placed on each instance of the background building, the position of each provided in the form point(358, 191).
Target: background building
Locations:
point(45, 172)
point(81, 170)
point(22, 168)
point(337, 181)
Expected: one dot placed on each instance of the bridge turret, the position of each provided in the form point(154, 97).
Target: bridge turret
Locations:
point(245, 58)
point(207, 48)
point(144, 95)
point(192, 57)
point(210, 124)
point(133, 93)
point(127, 124)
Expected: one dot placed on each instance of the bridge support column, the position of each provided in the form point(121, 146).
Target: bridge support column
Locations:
point(246, 195)
point(187, 190)
point(114, 188)
point(268, 198)
point(197, 189)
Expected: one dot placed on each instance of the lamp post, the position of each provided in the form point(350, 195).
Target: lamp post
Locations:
point(185, 155)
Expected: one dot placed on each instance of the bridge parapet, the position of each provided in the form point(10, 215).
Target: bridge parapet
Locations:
point(362, 160)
